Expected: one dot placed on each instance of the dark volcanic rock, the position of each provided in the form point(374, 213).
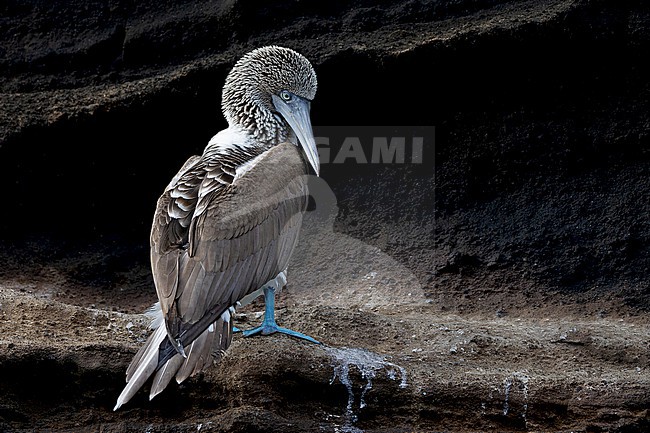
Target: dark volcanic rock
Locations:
point(527, 218)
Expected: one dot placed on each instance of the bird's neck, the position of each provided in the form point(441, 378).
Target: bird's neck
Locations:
point(239, 138)
point(263, 126)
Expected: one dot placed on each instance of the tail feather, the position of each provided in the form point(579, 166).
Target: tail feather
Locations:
point(156, 316)
point(143, 366)
point(197, 354)
point(201, 353)
point(165, 375)
point(149, 346)
point(223, 327)
point(208, 348)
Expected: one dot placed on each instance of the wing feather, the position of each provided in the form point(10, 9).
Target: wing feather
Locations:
point(192, 280)
point(216, 297)
point(165, 270)
point(199, 298)
point(224, 249)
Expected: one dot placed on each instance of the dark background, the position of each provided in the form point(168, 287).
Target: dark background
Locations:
point(539, 172)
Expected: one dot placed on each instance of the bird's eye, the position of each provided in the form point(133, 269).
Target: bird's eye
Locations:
point(285, 95)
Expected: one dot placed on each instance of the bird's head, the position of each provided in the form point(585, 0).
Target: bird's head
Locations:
point(268, 93)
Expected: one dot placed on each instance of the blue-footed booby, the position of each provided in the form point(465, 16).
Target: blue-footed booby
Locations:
point(227, 223)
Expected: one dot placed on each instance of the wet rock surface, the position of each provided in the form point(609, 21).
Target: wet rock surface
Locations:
point(499, 285)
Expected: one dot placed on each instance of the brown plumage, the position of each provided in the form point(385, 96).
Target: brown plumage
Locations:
point(227, 223)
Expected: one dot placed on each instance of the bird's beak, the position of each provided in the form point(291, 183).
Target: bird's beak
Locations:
point(296, 113)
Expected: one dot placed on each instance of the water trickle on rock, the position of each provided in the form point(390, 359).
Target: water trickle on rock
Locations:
point(368, 364)
point(521, 381)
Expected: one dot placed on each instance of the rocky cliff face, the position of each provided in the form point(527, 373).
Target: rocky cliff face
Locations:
point(497, 283)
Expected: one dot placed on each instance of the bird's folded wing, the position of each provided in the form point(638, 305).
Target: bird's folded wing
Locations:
point(218, 236)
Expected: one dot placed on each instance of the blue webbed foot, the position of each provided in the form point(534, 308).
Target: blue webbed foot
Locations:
point(269, 326)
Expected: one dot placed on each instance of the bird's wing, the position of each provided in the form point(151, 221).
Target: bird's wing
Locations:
point(169, 231)
point(219, 235)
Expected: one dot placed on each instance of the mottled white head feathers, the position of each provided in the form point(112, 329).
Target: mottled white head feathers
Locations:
point(247, 94)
